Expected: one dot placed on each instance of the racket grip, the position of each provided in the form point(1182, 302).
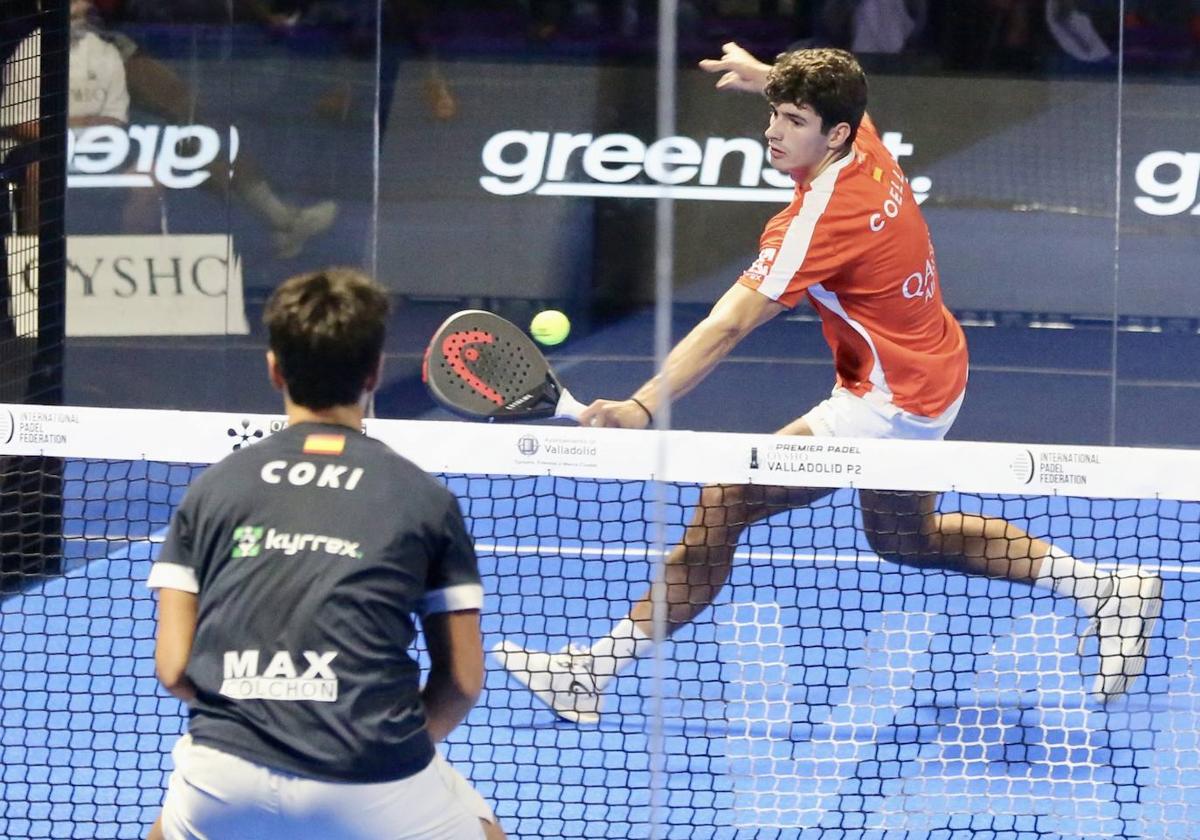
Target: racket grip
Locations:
point(568, 406)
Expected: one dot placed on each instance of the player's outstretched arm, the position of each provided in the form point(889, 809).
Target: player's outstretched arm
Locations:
point(455, 669)
point(173, 642)
point(739, 311)
point(739, 69)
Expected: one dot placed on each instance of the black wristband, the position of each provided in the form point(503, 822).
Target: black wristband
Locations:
point(642, 406)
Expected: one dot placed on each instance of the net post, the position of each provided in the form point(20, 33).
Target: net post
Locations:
point(31, 338)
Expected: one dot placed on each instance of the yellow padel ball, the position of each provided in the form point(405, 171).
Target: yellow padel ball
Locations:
point(550, 327)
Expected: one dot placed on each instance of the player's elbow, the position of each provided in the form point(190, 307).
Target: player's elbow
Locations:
point(726, 329)
point(171, 672)
point(460, 676)
point(467, 681)
point(454, 689)
point(455, 657)
point(170, 675)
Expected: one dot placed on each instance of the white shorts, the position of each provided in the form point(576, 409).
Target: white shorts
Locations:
point(846, 414)
point(213, 795)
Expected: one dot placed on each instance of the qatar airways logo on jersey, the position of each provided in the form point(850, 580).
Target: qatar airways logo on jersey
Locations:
point(280, 679)
point(624, 166)
point(176, 156)
point(921, 285)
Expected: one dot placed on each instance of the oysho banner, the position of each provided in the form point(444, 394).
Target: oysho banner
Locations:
point(136, 285)
point(154, 285)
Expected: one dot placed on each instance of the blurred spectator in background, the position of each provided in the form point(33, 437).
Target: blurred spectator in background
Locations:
point(20, 90)
point(992, 35)
point(195, 11)
point(96, 73)
point(401, 31)
point(886, 26)
point(97, 95)
point(1083, 30)
point(1162, 34)
point(405, 31)
point(155, 87)
point(20, 48)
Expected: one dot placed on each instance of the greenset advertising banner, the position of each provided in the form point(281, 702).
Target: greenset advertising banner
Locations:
point(543, 183)
point(548, 188)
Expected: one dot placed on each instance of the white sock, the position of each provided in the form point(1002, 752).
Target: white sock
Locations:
point(618, 650)
point(1076, 579)
point(262, 199)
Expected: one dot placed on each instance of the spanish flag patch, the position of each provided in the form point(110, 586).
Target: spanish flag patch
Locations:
point(324, 444)
point(877, 174)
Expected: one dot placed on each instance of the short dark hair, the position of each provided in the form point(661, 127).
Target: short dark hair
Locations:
point(829, 81)
point(326, 329)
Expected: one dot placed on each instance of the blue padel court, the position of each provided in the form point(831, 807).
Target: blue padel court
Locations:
point(827, 694)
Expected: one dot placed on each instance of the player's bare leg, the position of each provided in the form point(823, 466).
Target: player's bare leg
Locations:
point(696, 570)
point(1123, 606)
point(157, 87)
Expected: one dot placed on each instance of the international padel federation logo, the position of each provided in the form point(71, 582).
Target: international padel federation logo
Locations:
point(7, 426)
point(1024, 467)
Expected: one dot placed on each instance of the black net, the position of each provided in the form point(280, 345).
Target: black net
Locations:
point(848, 679)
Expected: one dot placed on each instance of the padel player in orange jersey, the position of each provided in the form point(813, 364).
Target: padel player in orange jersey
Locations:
point(854, 243)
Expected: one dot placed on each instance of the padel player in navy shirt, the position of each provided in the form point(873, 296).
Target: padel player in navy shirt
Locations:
point(289, 582)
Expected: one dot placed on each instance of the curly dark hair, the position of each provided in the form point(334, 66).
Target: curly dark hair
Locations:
point(326, 329)
point(829, 81)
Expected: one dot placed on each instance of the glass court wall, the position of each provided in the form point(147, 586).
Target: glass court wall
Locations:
point(507, 155)
point(518, 156)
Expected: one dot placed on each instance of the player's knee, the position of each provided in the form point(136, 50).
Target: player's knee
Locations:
point(720, 497)
point(730, 507)
point(910, 541)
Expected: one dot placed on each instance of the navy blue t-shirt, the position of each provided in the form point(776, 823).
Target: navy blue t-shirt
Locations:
point(310, 553)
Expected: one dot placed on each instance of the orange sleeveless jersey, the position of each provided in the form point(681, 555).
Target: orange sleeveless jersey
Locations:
point(855, 244)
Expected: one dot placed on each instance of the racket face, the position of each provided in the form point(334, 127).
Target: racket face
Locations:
point(482, 366)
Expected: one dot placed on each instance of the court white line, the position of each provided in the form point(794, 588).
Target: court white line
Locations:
point(120, 548)
point(642, 552)
point(157, 537)
point(863, 558)
point(622, 552)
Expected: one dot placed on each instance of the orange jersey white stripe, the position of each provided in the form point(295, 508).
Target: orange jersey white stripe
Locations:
point(855, 244)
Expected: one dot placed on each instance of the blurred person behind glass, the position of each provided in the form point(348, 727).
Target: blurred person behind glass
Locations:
point(156, 88)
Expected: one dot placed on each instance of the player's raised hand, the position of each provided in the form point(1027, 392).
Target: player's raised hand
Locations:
point(739, 69)
point(614, 414)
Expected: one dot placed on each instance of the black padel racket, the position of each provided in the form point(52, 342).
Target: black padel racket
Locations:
point(482, 366)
